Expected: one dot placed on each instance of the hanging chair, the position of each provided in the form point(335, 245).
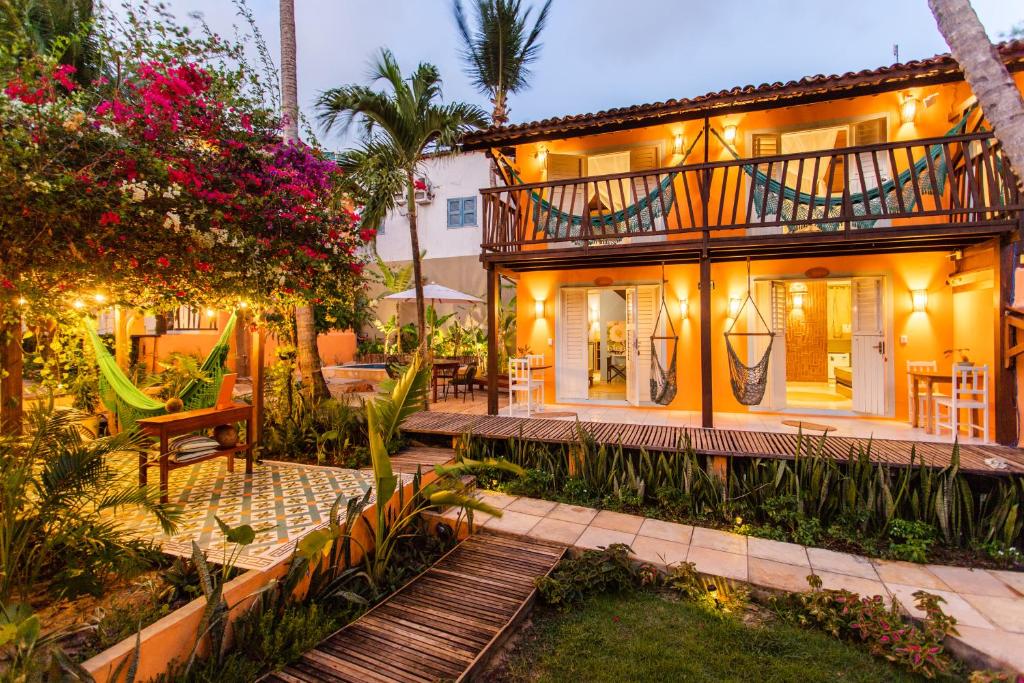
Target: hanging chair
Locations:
point(129, 403)
point(748, 381)
point(663, 380)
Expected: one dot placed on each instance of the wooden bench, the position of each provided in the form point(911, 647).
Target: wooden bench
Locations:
point(163, 427)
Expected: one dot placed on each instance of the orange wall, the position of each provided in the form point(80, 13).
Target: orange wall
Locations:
point(929, 334)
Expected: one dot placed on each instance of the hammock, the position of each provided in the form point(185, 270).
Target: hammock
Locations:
point(748, 382)
point(663, 380)
point(630, 220)
point(800, 206)
point(130, 404)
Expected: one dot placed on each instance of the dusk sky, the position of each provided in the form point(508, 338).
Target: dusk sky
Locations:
point(599, 54)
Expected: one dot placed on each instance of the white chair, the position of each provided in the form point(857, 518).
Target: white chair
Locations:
point(519, 381)
point(970, 393)
point(536, 360)
point(922, 407)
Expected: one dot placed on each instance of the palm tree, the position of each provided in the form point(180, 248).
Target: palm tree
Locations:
point(36, 26)
point(402, 125)
point(306, 349)
point(986, 74)
point(499, 48)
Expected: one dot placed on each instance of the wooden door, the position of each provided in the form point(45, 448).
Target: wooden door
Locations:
point(571, 367)
point(869, 346)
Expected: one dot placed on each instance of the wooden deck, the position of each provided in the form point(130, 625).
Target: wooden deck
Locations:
point(422, 458)
point(439, 626)
point(724, 442)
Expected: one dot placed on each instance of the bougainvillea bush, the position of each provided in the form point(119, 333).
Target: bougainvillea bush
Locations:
point(163, 181)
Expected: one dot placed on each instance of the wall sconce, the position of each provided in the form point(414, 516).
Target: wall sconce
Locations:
point(684, 308)
point(210, 312)
point(538, 308)
point(78, 304)
point(678, 142)
point(908, 109)
point(729, 134)
point(100, 297)
point(22, 301)
point(919, 297)
point(734, 308)
point(798, 301)
point(541, 154)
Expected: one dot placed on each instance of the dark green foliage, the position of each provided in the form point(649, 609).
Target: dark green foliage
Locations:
point(910, 540)
point(591, 572)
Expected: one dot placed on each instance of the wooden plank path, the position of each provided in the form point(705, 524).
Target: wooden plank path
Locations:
point(723, 442)
point(422, 458)
point(442, 625)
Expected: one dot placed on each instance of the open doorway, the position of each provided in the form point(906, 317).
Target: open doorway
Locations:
point(830, 348)
point(606, 344)
point(819, 336)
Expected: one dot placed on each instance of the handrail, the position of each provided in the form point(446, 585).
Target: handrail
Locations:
point(954, 180)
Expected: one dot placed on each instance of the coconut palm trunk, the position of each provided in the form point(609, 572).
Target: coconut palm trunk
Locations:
point(417, 271)
point(305, 329)
point(986, 74)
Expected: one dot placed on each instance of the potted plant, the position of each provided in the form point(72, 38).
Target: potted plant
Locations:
point(963, 361)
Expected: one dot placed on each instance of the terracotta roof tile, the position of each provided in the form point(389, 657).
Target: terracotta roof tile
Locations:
point(818, 86)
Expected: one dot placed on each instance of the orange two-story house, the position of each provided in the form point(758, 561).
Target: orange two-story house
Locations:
point(843, 229)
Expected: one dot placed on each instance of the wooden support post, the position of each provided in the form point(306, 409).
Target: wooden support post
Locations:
point(122, 341)
point(493, 294)
point(257, 374)
point(1004, 376)
point(11, 385)
point(718, 465)
point(706, 397)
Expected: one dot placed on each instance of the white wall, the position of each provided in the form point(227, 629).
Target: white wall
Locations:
point(451, 177)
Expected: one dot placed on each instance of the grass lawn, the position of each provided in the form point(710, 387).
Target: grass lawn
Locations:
point(645, 637)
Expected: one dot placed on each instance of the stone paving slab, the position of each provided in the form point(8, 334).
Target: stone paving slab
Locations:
point(988, 604)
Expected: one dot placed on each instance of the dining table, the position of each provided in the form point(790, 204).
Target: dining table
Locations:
point(928, 378)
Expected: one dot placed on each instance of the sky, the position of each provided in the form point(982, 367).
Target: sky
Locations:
point(600, 54)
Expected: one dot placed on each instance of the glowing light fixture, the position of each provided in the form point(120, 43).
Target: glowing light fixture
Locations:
point(243, 305)
point(538, 308)
point(798, 301)
point(210, 312)
point(734, 307)
point(542, 154)
point(729, 134)
point(908, 109)
point(22, 301)
point(78, 304)
point(684, 308)
point(919, 297)
point(100, 297)
point(678, 142)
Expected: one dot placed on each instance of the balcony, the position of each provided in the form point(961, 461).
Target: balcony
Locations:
point(941, 192)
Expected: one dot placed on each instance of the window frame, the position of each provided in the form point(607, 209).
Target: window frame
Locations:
point(460, 204)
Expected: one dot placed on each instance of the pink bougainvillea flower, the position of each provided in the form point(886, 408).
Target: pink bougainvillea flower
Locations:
point(367, 234)
point(163, 261)
point(204, 267)
point(6, 284)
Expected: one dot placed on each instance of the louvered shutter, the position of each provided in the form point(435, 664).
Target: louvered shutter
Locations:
point(571, 375)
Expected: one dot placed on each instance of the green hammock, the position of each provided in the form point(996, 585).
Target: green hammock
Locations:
point(630, 220)
point(801, 206)
point(130, 404)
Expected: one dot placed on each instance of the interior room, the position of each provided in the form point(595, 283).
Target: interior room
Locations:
point(818, 345)
point(606, 347)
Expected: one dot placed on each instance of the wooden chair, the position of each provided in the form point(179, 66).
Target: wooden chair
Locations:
point(922, 407)
point(466, 380)
point(970, 393)
point(519, 382)
point(536, 360)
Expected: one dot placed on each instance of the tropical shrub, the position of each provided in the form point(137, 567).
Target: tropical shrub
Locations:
point(589, 573)
point(58, 489)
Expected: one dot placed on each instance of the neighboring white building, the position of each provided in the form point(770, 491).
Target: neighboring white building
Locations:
point(449, 225)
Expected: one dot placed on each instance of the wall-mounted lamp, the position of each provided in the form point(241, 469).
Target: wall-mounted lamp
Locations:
point(78, 304)
point(684, 308)
point(919, 297)
point(541, 154)
point(734, 307)
point(22, 301)
point(678, 142)
point(538, 308)
point(100, 297)
point(729, 134)
point(243, 305)
point(798, 301)
point(908, 109)
point(210, 312)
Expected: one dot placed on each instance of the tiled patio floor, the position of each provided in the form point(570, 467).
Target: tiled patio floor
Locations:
point(876, 427)
point(282, 501)
point(988, 604)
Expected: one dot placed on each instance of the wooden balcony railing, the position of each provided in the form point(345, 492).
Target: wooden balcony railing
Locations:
point(955, 180)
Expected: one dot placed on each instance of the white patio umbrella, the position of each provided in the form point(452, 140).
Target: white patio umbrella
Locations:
point(437, 294)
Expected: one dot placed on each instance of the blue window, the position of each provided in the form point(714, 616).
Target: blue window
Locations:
point(462, 212)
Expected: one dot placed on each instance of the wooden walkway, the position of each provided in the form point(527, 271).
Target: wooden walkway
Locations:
point(420, 457)
point(439, 626)
point(725, 442)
